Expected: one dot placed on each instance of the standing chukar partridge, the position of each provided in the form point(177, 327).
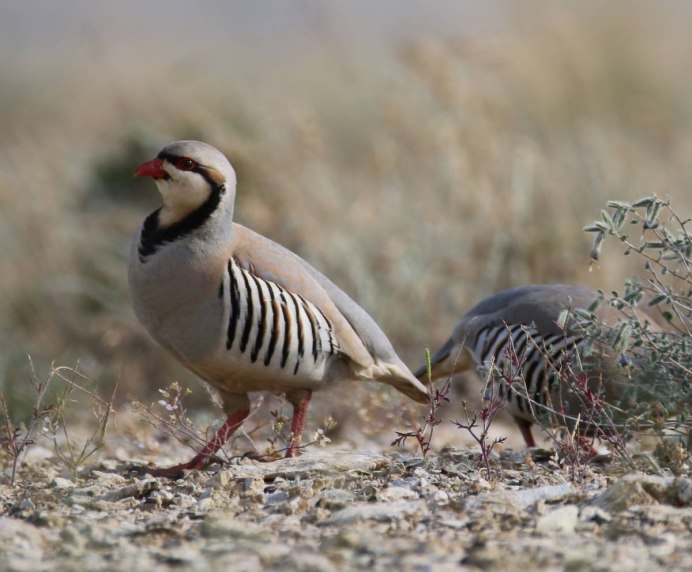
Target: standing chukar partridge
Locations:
point(242, 312)
point(523, 321)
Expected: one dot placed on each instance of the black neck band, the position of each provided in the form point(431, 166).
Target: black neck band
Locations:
point(153, 237)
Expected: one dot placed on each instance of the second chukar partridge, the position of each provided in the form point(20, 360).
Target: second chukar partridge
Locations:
point(523, 321)
point(242, 312)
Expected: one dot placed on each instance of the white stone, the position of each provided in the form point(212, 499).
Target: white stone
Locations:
point(562, 520)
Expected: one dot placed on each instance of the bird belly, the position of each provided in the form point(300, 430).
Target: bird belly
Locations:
point(235, 373)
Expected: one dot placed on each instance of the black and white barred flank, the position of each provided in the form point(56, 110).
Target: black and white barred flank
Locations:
point(537, 358)
point(273, 325)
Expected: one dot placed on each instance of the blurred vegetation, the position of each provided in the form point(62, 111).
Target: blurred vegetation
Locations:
point(419, 182)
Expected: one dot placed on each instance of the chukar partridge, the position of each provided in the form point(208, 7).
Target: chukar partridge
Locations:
point(242, 312)
point(523, 322)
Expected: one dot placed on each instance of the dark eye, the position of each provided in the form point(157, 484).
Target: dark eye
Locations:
point(185, 164)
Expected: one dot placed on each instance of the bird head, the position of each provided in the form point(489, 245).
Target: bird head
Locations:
point(187, 174)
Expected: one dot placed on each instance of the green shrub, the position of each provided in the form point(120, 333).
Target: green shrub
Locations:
point(661, 361)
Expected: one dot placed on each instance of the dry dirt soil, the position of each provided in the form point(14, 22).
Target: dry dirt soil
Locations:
point(332, 509)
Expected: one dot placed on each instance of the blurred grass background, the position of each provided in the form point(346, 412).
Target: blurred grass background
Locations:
point(422, 156)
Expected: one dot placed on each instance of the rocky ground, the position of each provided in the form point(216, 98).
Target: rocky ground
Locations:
point(334, 510)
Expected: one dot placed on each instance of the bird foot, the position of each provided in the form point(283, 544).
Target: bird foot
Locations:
point(271, 457)
point(180, 471)
point(175, 473)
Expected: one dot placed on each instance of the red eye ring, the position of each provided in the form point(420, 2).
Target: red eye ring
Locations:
point(185, 164)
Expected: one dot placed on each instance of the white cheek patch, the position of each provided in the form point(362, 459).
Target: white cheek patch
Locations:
point(182, 194)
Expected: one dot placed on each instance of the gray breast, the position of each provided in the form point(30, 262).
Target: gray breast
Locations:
point(176, 303)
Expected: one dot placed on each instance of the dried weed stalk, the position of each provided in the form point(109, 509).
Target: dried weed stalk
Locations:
point(18, 437)
point(169, 416)
point(499, 379)
point(49, 419)
point(423, 433)
point(575, 437)
point(69, 449)
point(280, 437)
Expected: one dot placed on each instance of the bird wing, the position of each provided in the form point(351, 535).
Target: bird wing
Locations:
point(358, 336)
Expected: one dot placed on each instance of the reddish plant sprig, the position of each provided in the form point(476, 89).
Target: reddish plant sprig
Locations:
point(480, 433)
point(437, 396)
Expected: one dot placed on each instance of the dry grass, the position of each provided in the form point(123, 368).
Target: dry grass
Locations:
point(419, 182)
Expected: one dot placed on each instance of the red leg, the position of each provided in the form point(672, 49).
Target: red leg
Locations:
point(202, 458)
point(525, 428)
point(300, 413)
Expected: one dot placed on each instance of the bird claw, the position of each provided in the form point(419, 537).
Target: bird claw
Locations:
point(180, 471)
point(260, 458)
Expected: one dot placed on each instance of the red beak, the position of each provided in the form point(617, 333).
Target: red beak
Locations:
point(151, 169)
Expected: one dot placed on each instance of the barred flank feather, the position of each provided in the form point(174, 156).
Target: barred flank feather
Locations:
point(271, 317)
